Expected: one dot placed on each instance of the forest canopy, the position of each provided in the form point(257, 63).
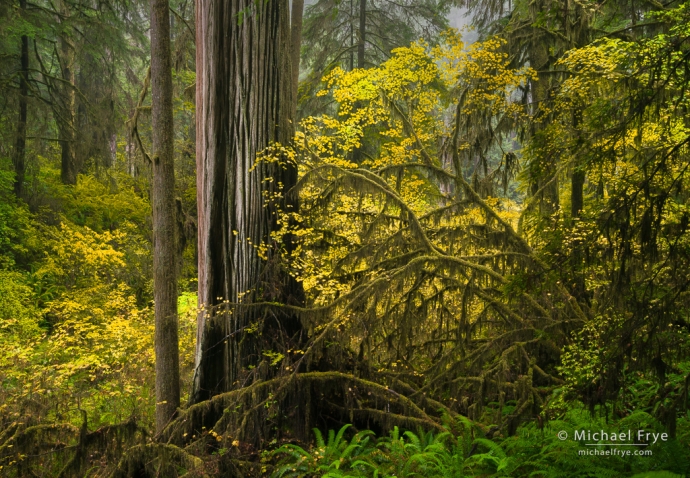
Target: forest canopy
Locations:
point(335, 239)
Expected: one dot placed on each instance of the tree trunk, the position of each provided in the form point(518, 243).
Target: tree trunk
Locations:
point(243, 104)
point(362, 33)
point(577, 182)
point(164, 225)
point(295, 49)
point(547, 180)
point(352, 35)
point(19, 159)
point(65, 109)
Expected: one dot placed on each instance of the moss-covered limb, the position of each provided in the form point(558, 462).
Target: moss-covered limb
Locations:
point(431, 402)
point(64, 447)
point(222, 415)
point(385, 263)
point(370, 253)
point(572, 301)
point(492, 376)
point(368, 214)
point(372, 178)
point(356, 296)
point(490, 211)
point(477, 360)
point(440, 260)
point(426, 167)
point(76, 464)
point(447, 366)
point(538, 369)
point(109, 441)
point(372, 181)
point(523, 407)
point(472, 194)
point(155, 459)
point(500, 307)
point(9, 433)
point(500, 254)
point(25, 440)
point(206, 414)
point(494, 275)
point(383, 390)
point(389, 419)
point(424, 275)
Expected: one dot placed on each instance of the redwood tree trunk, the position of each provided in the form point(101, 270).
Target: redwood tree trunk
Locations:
point(244, 98)
point(20, 147)
point(164, 225)
point(296, 48)
point(361, 39)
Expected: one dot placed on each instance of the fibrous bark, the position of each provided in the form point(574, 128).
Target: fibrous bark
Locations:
point(243, 105)
point(164, 225)
point(296, 18)
point(362, 33)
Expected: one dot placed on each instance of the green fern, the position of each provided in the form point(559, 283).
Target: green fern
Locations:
point(337, 458)
point(532, 452)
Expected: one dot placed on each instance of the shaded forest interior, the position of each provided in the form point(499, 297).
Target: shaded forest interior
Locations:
point(333, 238)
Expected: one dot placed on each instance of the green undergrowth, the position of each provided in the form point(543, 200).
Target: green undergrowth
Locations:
point(533, 451)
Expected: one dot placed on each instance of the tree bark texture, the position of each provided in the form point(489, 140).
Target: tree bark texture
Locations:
point(361, 39)
point(164, 224)
point(244, 98)
point(296, 49)
point(19, 159)
point(65, 120)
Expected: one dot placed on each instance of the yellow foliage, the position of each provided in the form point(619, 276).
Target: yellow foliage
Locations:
point(90, 344)
point(358, 213)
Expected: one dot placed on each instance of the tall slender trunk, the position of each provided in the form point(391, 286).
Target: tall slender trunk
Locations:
point(295, 49)
point(577, 182)
point(362, 33)
point(164, 225)
point(577, 203)
point(548, 180)
point(19, 159)
point(244, 97)
point(579, 36)
point(65, 121)
point(352, 35)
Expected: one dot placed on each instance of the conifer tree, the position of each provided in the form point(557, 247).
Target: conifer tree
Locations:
point(243, 105)
point(164, 225)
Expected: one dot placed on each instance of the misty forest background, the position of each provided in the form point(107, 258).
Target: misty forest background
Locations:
point(339, 238)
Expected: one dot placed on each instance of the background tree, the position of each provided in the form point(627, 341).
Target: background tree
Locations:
point(164, 222)
point(562, 147)
point(19, 157)
point(361, 34)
